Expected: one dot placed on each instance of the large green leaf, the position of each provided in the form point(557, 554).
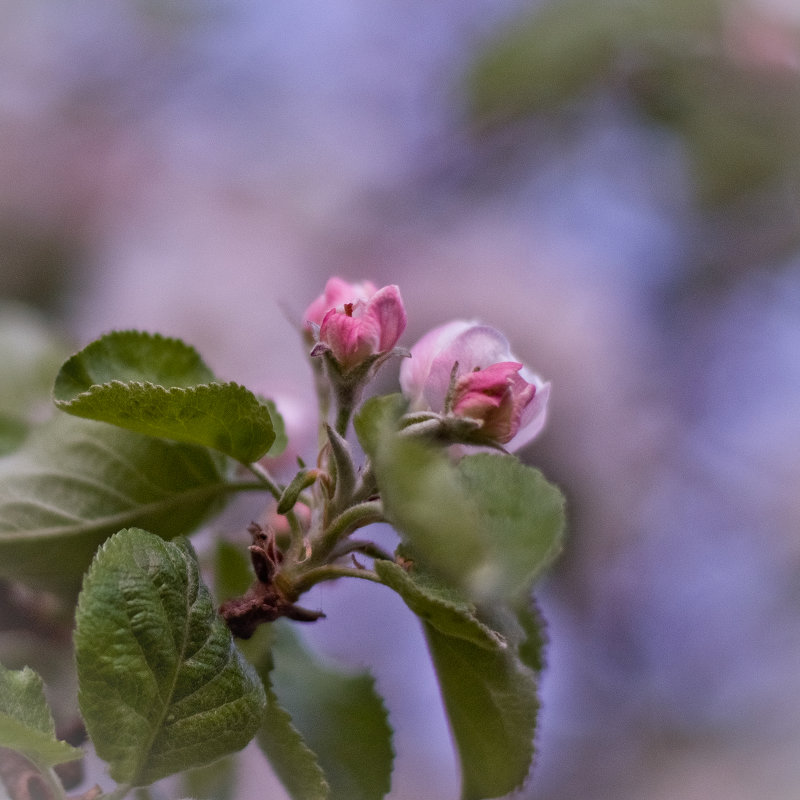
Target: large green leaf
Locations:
point(491, 702)
point(487, 662)
point(75, 482)
point(439, 605)
point(26, 724)
point(520, 514)
point(161, 387)
point(489, 524)
point(331, 714)
point(163, 687)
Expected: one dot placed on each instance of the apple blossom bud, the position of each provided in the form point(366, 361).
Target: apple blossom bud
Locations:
point(488, 385)
point(360, 329)
point(337, 293)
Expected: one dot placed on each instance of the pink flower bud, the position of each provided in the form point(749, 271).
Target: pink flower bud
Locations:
point(361, 328)
point(490, 384)
point(337, 293)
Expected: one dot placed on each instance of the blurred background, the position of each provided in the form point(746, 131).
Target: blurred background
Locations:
point(613, 183)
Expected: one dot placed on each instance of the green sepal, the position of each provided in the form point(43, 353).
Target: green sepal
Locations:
point(302, 480)
point(26, 724)
point(161, 387)
point(345, 469)
point(163, 687)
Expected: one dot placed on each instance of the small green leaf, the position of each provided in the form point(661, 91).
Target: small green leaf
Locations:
point(73, 483)
point(488, 524)
point(26, 724)
point(440, 606)
point(491, 702)
point(160, 387)
point(376, 417)
point(132, 356)
point(162, 685)
point(338, 716)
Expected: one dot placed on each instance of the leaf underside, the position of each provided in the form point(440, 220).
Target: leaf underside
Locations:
point(75, 482)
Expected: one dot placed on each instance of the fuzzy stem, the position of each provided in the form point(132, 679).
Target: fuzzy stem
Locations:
point(367, 548)
point(355, 517)
point(343, 414)
point(265, 479)
point(330, 572)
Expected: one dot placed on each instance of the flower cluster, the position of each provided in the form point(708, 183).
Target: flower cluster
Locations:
point(463, 370)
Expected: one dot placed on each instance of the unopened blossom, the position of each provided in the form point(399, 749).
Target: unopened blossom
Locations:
point(362, 328)
point(337, 293)
point(489, 385)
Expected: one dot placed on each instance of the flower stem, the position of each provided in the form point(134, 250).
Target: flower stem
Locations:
point(353, 518)
point(265, 479)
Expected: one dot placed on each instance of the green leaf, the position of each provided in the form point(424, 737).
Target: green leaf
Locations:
point(74, 483)
point(488, 524)
point(12, 433)
point(26, 724)
point(132, 356)
point(338, 717)
point(487, 661)
point(378, 415)
point(233, 570)
point(520, 514)
point(290, 757)
point(161, 387)
point(439, 605)
point(30, 355)
point(216, 781)
point(491, 702)
point(279, 426)
point(162, 685)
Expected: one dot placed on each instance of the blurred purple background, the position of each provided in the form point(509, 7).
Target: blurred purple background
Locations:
point(623, 204)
